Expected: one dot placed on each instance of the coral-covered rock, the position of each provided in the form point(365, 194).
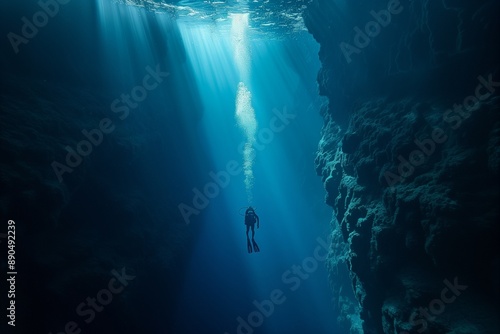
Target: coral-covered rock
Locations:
point(409, 158)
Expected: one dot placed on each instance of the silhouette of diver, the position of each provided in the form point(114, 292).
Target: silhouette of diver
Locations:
point(250, 219)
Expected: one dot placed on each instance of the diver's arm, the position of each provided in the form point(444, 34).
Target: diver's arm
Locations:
point(258, 221)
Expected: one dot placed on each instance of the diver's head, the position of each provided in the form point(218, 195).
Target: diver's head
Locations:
point(250, 210)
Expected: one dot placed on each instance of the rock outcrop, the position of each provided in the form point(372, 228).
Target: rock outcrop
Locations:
point(410, 159)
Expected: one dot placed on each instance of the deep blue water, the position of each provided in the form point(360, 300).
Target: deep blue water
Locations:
point(135, 134)
point(170, 142)
point(223, 280)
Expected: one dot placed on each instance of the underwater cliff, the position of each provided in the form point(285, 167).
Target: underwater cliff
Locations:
point(409, 157)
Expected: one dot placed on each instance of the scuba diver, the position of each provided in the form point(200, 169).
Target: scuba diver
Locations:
point(250, 219)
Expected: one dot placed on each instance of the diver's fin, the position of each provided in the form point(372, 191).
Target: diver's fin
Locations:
point(249, 245)
point(255, 246)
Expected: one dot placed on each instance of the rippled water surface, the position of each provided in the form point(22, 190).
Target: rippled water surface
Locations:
point(276, 17)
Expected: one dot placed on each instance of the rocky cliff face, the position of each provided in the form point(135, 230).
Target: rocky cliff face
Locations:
point(410, 157)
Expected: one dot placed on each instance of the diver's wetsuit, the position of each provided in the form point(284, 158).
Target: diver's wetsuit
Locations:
point(250, 219)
